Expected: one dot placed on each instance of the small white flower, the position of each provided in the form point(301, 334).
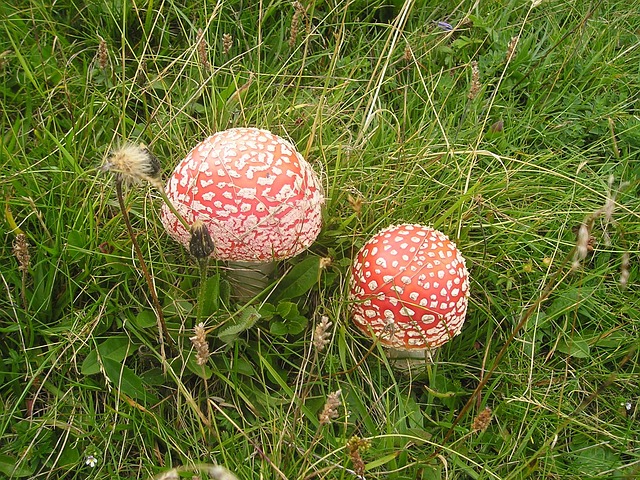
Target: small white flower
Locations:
point(91, 461)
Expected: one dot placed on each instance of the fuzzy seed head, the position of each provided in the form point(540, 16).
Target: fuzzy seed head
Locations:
point(298, 12)
point(325, 262)
point(624, 269)
point(609, 204)
point(213, 472)
point(103, 54)
point(134, 164)
point(227, 43)
point(408, 55)
point(482, 421)
point(218, 472)
point(199, 341)
point(168, 475)
point(583, 245)
point(322, 334)
point(355, 203)
point(21, 252)
point(202, 50)
point(354, 446)
point(330, 410)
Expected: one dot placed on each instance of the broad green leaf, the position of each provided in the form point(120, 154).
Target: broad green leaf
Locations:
point(278, 328)
point(288, 326)
point(12, 468)
point(146, 319)
point(210, 295)
point(203, 371)
point(114, 348)
point(177, 307)
point(287, 310)
point(267, 311)
point(300, 279)
point(125, 380)
point(244, 367)
point(90, 365)
point(69, 456)
point(611, 340)
point(76, 241)
point(574, 347)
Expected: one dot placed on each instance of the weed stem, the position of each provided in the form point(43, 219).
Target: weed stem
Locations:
point(162, 326)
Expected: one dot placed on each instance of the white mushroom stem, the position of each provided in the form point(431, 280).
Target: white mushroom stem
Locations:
point(248, 279)
point(397, 354)
point(405, 360)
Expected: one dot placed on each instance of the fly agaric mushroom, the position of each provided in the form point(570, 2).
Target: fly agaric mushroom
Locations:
point(410, 288)
point(258, 197)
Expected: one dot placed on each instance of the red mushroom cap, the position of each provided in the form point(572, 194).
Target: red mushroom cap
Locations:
point(410, 286)
point(257, 196)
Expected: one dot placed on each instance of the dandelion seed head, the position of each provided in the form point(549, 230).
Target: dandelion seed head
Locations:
point(133, 164)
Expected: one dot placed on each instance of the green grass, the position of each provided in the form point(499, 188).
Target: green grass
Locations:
point(377, 98)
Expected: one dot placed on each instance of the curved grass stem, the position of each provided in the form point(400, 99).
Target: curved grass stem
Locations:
point(162, 326)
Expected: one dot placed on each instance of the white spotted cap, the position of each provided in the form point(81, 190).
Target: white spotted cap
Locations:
point(259, 198)
point(410, 287)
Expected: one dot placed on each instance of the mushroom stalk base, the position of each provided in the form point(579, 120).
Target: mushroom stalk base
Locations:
point(249, 279)
point(410, 359)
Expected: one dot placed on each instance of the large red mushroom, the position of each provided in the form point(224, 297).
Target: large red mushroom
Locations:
point(258, 197)
point(409, 287)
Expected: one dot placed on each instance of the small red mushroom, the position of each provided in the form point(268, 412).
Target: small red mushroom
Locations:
point(409, 287)
point(258, 197)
